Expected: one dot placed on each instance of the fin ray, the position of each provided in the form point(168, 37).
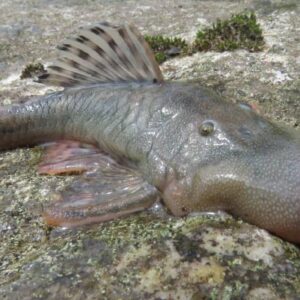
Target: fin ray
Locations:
point(103, 53)
point(106, 190)
point(75, 50)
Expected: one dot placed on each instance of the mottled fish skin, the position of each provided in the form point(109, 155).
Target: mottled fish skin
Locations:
point(177, 141)
point(200, 152)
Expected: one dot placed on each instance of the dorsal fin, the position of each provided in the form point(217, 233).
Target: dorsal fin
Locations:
point(103, 53)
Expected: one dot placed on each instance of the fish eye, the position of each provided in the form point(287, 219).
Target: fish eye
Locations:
point(206, 128)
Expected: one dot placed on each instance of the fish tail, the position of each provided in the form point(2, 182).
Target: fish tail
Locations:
point(26, 125)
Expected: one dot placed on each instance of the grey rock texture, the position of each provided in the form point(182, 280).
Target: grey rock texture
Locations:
point(149, 255)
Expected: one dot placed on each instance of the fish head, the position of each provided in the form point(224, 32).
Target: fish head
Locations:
point(236, 161)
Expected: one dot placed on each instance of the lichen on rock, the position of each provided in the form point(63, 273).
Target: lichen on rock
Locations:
point(150, 255)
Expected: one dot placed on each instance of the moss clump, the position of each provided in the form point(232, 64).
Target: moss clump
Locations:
point(32, 70)
point(240, 31)
point(165, 47)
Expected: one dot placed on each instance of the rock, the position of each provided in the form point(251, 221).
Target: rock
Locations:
point(150, 255)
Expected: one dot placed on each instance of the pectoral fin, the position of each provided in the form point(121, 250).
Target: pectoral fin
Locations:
point(69, 157)
point(107, 190)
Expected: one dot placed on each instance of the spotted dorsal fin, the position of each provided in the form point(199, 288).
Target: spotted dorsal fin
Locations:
point(103, 53)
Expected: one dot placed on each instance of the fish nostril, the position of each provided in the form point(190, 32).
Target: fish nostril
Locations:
point(245, 132)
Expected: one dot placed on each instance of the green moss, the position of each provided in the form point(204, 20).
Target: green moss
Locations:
point(32, 70)
point(165, 47)
point(160, 57)
point(240, 31)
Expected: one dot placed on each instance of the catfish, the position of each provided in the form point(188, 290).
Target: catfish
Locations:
point(137, 139)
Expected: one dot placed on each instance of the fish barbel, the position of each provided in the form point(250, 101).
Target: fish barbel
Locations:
point(137, 139)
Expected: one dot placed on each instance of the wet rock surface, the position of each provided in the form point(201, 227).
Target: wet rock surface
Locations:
point(149, 255)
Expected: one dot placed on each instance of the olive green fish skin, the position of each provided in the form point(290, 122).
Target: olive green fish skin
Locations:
point(245, 165)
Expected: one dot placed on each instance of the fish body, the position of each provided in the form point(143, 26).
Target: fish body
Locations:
point(171, 140)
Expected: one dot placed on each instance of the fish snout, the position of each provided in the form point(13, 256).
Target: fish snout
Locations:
point(269, 195)
point(262, 189)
